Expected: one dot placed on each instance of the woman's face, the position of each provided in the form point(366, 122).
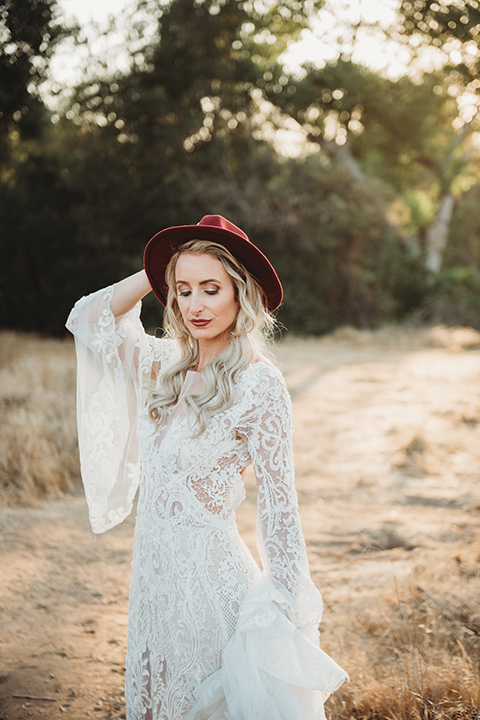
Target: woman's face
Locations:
point(206, 298)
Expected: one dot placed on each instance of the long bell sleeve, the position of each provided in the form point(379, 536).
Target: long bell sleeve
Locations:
point(273, 666)
point(279, 536)
point(114, 364)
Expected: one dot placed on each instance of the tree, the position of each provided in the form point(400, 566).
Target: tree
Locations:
point(452, 30)
point(378, 129)
point(140, 150)
point(449, 31)
point(34, 203)
point(29, 34)
point(186, 131)
point(177, 124)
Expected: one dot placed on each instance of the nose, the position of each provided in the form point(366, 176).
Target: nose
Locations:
point(196, 303)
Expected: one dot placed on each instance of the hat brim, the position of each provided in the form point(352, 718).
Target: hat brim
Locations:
point(165, 243)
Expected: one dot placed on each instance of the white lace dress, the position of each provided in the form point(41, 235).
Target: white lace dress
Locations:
point(210, 636)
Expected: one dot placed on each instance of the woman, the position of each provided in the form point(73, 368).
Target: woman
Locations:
point(209, 635)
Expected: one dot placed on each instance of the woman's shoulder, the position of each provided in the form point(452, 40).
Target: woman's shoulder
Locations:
point(263, 368)
point(264, 378)
point(263, 391)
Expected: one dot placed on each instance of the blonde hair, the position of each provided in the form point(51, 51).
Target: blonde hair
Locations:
point(251, 341)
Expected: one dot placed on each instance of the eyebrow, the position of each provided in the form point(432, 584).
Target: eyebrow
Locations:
point(204, 282)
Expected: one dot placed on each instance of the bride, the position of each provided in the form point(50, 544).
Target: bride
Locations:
point(210, 634)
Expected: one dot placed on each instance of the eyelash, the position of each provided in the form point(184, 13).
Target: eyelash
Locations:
point(186, 293)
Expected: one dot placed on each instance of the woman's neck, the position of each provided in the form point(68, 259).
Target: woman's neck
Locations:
point(210, 351)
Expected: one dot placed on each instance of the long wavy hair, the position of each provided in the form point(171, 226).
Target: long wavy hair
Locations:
point(251, 340)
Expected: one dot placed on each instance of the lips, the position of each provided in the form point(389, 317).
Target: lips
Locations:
point(200, 323)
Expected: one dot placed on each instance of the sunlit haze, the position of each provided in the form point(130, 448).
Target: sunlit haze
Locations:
point(322, 43)
point(356, 29)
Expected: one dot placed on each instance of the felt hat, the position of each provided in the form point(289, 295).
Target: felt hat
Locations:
point(217, 229)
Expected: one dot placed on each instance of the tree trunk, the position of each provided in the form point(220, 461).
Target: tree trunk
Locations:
point(437, 233)
point(342, 154)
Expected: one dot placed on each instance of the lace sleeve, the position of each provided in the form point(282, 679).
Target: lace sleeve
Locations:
point(114, 364)
point(279, 534)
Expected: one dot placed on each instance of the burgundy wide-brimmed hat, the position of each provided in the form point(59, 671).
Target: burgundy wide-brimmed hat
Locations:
point(219, 230)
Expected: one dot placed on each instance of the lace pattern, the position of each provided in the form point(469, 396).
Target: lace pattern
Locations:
point(197, 594)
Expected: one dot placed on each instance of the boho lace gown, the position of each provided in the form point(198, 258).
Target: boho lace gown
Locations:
point(210, 636)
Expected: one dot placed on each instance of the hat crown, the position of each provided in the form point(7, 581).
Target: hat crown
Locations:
point(218, 221)
point(217, 229)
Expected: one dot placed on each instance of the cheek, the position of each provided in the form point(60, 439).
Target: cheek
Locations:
point(222, 307)
point(234, 308)
point(182, 306)
point(229, 305)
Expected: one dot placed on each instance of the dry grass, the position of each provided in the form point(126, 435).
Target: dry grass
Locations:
point(439, 336)
point(389, 494)
point(412, 647)
point(38, 447)
point(413, 655)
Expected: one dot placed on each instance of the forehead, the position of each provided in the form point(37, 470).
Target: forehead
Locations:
point(198, 267)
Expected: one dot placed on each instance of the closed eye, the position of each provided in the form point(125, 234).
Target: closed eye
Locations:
point(186, 293)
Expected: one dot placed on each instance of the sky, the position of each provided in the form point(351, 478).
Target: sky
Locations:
point(85, 10)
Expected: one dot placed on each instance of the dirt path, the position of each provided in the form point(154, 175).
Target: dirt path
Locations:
point(388, 456)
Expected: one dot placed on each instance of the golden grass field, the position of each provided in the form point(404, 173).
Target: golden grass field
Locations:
point(387, 431)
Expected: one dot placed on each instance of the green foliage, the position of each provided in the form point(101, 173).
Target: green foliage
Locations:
point(340, 261)
point(453, 299)
point(35, 203)
point(438, 23)
point(29, 33)
point(36, 269)
point(181, 135)
point(197, 78)
point(400, 131)
point(464, 246)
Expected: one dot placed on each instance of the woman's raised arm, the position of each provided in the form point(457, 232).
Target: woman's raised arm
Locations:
point(114, 365)
point(129, 292)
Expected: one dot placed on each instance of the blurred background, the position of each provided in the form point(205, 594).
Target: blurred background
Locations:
point(343, 136)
